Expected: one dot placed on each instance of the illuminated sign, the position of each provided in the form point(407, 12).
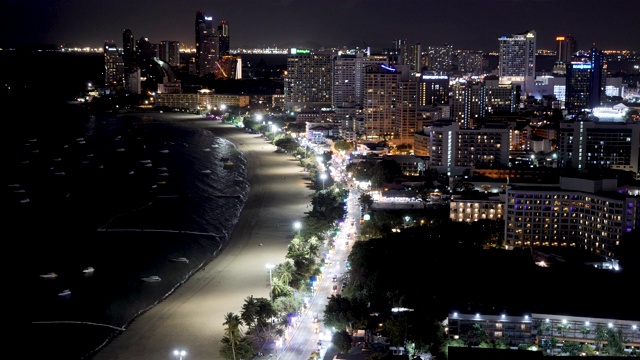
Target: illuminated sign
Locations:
point(208, 18)
point(530, 35)
point(434, 77)
point(387, 67)
point(560, 38)
point(295, 51)
point(581, 66)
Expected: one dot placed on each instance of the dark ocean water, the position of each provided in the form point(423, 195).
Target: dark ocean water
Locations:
point(78, 190)
point(122, 194)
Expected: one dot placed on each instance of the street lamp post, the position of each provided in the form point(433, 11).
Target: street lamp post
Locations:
point(274, 130)
point(180, 353)
point(297, 226)
point(323, 176)
point(270, 267)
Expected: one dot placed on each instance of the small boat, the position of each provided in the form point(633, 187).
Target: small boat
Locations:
point(65, 292)
point(88, 271)
point(206, 171)
point(228, 164)
point(153, 278)
point(50, 275)
point(180, 259)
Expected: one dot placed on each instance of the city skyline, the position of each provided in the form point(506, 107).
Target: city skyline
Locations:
point(464, 24)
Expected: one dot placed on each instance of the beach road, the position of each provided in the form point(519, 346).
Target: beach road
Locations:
point(192, 317)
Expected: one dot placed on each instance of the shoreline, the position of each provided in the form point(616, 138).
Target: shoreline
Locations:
point(192, 317)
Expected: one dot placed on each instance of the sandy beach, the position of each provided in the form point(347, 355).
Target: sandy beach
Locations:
point(192, 317)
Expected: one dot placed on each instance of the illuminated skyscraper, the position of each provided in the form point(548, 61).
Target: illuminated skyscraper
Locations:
point(113, 65)
point(566, 48)
point(307, 82)
point(223, 38)
point(517, 62)
point(439, 59)
point(206, 44)
point(390, 104)
point(585, 82)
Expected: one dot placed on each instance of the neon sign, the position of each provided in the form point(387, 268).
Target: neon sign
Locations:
point(434, 77)
point(300, 51)
point(560, 38)
point(387, 67)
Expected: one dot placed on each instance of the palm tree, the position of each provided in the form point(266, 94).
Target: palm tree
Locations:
point(233, 323)
point(585, 331)
point(601, 335)
point(249, 311)
point(285, 272)
point(279, 288)
point(295, 246)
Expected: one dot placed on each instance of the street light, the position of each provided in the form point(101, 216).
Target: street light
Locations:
point(274, 130)
point(270, 267)
point(323, 176)
point(179, 353)
point(297, 226)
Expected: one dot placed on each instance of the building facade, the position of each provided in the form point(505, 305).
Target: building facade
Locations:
point(517, 60)
point(594, 144)
point(537, 328)
point(308, 80)
point(587, 214)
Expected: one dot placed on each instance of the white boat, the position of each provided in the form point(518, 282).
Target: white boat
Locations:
point(88, 271)
point(228, 164)
point(50, 275)
point(153, 278)
point(206, 171)
point(180, 259)
point(65, 292)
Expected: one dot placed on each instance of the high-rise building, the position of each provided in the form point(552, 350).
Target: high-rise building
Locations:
point(587, 214)
point(307, 81)
point(223, 39)
point(470, 62)
point(454, 149)
point(566, 48)
point(499, 98)
point(586, 82)
point(434, 90)
point(348, 77)
point(406, 110)
point(113, 65)
point(129, 51)
point(517, 60)
point(199, 25)
point(169, 52)
point(466, 103)
point(206, 44)
point(415, 58)
point(391, 104)
point(605, 145)
point(439, 59)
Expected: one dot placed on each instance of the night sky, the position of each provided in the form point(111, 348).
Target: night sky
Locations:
point(465, 24)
